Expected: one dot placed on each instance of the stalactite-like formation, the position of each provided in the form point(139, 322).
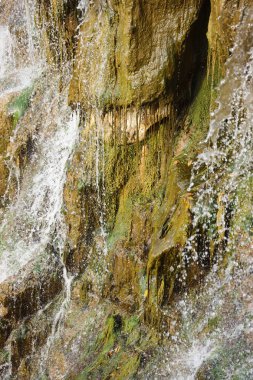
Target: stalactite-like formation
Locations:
point(126, 189)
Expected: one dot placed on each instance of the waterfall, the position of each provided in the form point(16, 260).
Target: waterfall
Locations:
point(6, 50)
point(227, 162)
point(126, 295)
point(222, 175)
point(34, 219)
point(37, 209)
point(29, 12)
point(35, 214)
point(21, 59)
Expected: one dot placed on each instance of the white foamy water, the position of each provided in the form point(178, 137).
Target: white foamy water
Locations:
point(6, 50)
point(34, 220)
point(227, 162)
point(31, 219)
point(36, 214)
point(186, 363)
point(19, 79)
point(19, 69)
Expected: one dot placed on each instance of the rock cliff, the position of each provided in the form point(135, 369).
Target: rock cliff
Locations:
point(144, 76)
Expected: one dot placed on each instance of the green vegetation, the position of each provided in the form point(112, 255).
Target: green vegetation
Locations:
point(20, 104)
point(118, 349)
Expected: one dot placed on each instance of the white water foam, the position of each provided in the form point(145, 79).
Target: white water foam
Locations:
point(30, 221)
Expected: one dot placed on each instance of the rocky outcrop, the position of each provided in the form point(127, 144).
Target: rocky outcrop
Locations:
point(130, 59)
point(144, 79)
point(125, 116)
point(139, 192)
point(141, 135)
point(58, 21)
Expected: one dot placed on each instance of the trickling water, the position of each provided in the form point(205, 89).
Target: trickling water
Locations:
point(57, 322)
point(227, 162)
point(34, 216)
point(217, 322)
point(21, 59)
point(29, 12)
point(34, 219)
point(83, 5)
point(100, 180)
point(6, 50)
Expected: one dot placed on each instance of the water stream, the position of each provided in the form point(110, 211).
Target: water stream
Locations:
point(216, 324)
point(21, 59)
point(36, 213)
point(34, 218)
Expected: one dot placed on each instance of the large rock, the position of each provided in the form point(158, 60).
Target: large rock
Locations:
point(142, 133)
point(129, 52)
point(131, 59)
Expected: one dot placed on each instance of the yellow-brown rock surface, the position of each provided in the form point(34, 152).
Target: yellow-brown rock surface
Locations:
point(6, 129)
point(144, 77)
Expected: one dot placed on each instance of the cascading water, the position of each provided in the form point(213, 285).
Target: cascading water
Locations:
point(6, 50)
point(37, 209)
point(33, 224)
point(34, 219)
point(21, 58)
point(216, 327)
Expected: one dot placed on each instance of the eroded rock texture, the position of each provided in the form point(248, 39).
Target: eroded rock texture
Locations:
point(144, 75)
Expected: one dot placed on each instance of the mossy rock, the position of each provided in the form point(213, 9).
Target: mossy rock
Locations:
point(117, 350)
point(19, 105)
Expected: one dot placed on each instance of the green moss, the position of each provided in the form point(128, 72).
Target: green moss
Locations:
point(121, 164)
point(20, 104)
point(243, 213)
point(213, 323)
point(81, 185)
point(132, 330)
point(112, 327)
point(129, 369)
point(135, 182)
point(117, 350)
point(198, 122)
point(248, 224)
point(198, 117)
point(122, 224)
point(131, 323)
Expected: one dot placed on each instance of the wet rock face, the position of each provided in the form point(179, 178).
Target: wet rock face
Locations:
point(28, 292)
point(130, 62)
point(129, 52)
point(145, 75)
point(224, 17)
point(13, 14)
point(5, 130)
point(59, 21)
point(28, 304)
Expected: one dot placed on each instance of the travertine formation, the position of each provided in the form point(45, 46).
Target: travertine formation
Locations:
point(144, 75)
